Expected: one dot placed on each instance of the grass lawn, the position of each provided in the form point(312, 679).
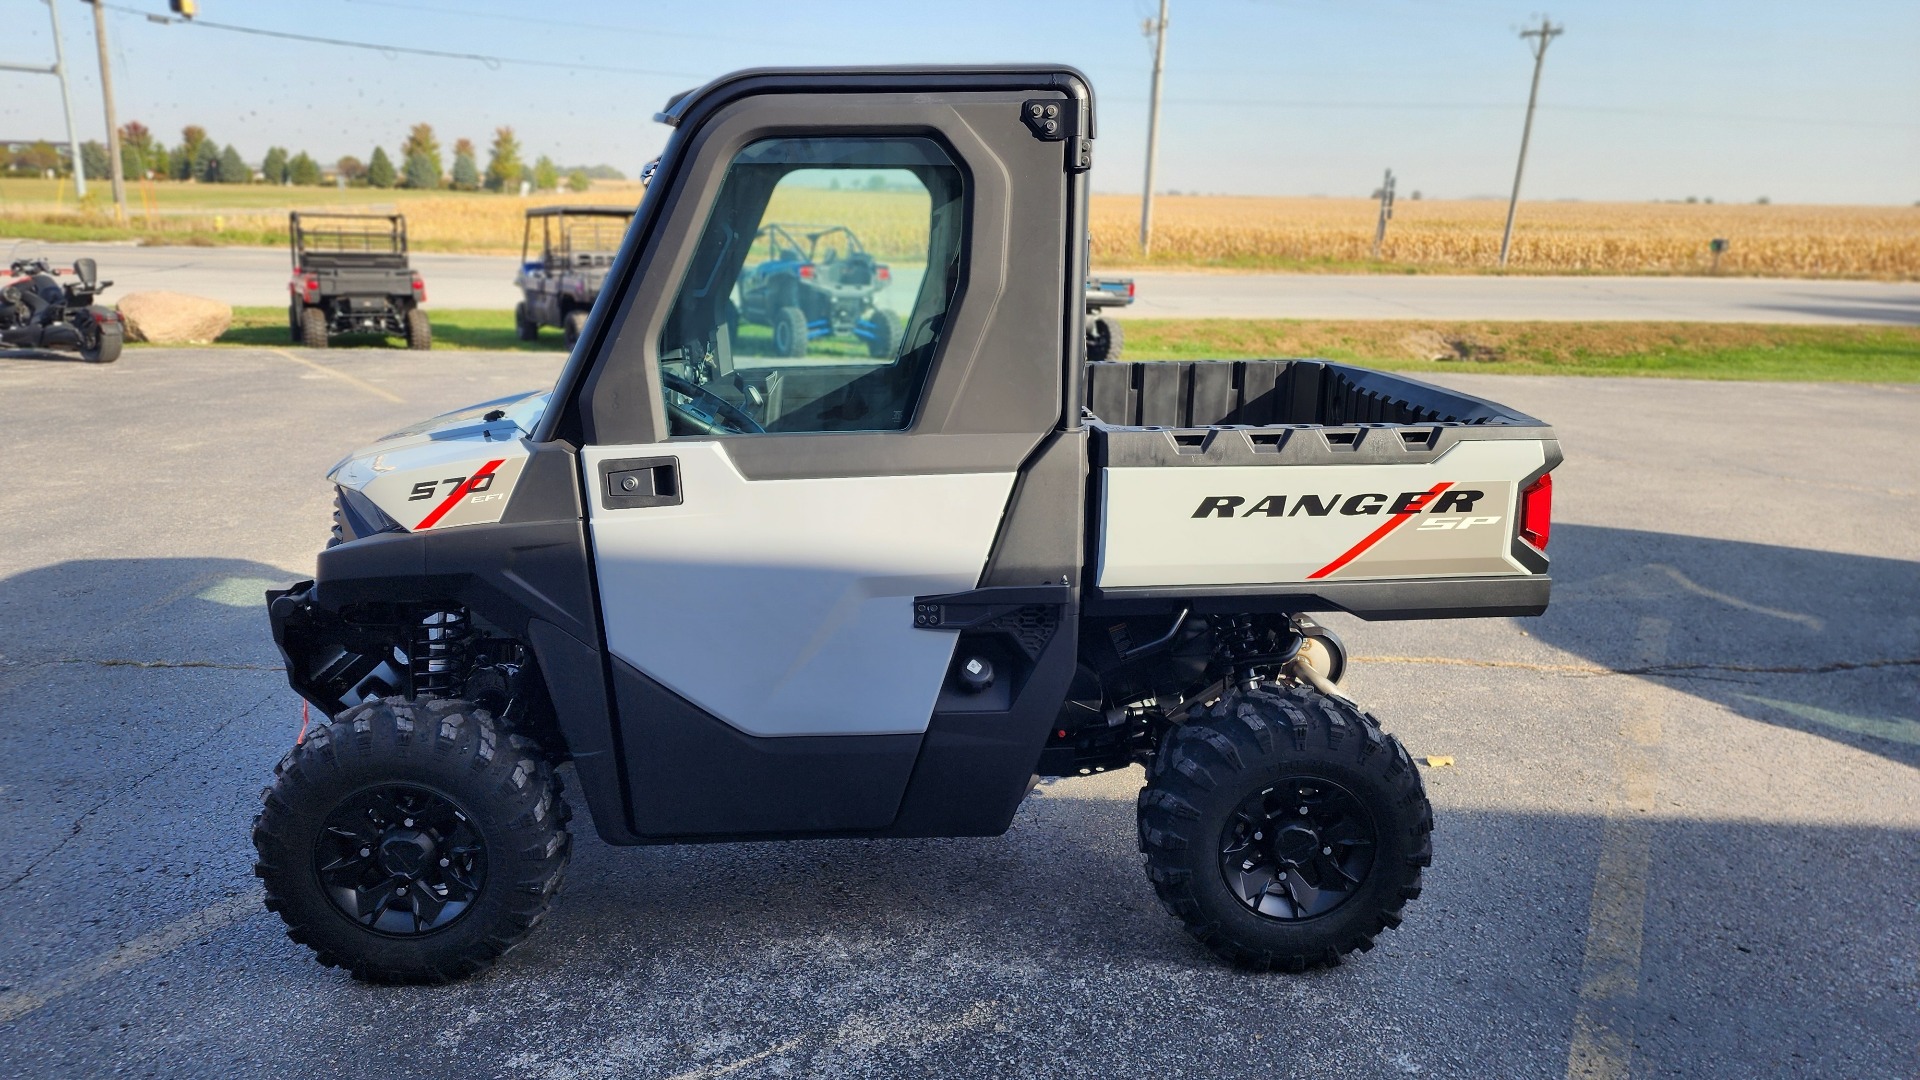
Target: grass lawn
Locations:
point(1675, 350)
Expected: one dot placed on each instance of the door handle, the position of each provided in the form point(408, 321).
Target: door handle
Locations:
point(631, 483)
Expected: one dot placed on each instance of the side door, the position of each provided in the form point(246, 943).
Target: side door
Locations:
point(763, 511)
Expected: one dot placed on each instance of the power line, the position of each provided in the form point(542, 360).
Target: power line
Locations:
point(541, 20)
point(493, 62)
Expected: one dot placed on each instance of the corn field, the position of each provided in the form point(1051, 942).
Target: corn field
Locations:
point(1225, 232)
point(1609, 238)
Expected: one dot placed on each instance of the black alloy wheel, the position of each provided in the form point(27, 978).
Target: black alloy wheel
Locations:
point(1299, 849)
point(400, 859)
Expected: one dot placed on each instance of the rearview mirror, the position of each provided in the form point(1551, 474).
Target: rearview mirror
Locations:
point(87, 271)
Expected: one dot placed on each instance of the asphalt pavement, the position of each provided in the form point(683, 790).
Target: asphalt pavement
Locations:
point(258, 277)
point(1677, 836)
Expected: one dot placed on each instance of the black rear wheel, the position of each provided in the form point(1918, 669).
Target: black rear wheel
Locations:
point(1285, 829)
point(313, 328)
point(789, 332)
point(103, 342)
point(411, 841)
point(885, 327)
point(419, 330)
point(1105, 339)
point(523, 325)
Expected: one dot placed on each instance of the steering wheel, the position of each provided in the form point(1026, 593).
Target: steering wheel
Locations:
point(708, 412)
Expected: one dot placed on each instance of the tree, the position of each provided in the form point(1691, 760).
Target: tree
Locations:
point(352, 168)
point(420, 140)
point(231, 169)
point(578, 180)
point(273, 168)
point(205, 162)
point(136, 134)
point(421, 174)
point(136, 149)
point(305, 171)
point(40, 158)
point(188, 164)
point(380, 169)
point(94, 157)
point(466, 174)
point(503, 161)
point(159, 161)
point(546, 176)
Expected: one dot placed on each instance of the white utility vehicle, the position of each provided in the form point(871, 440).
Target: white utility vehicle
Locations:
point(756, 597)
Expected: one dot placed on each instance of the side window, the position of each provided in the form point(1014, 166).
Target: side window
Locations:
point(818, 290)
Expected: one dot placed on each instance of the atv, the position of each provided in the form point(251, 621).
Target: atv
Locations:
point(38, 311)
point(559, 284)
point(816, 283)
point(350, 276)
point(770, 598)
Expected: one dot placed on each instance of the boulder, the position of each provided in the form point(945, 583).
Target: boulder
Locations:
point(170, 318)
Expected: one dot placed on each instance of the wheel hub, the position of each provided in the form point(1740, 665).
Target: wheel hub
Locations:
point(1295, 844)
point(400, 860)
point(1299, 849)
point(406, 851)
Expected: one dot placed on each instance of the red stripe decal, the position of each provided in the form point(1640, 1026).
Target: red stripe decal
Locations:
point(1380, 533)
point(458, 494)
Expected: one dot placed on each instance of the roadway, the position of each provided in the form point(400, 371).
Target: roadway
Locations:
point(258, 277)
point(1676, 838)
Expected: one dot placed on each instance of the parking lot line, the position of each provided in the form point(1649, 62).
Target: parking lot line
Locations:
point(342, 376)
point(1601, 1047)
point(17, 1003)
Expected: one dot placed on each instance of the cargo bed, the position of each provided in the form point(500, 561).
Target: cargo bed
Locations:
point(1306, 485)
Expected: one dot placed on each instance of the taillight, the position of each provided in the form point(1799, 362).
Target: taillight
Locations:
point(1536, 512)
point(806, 272)
point(1129, 289)
point(884, 273)
point(419, 288)
point(308, 288)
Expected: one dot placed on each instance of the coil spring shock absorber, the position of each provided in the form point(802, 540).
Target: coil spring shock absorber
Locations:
point(1236, 641)
point(439, 653)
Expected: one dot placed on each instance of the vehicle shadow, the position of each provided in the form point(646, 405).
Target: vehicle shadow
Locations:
point(41, 354)
point(1817, 641)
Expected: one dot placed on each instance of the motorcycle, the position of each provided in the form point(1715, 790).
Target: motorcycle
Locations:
point(38, 311)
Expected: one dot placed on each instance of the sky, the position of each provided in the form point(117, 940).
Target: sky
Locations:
point(1809, 102)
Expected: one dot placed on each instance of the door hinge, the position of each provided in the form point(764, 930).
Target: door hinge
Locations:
point(1059, 121)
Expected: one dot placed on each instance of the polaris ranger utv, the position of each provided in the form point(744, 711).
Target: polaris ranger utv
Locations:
point(350, 276)
point(759, 598)
point(559, 283)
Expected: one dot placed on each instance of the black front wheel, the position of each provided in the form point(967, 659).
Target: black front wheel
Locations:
point(573, 326)
point(1285, 829)
point(411, 842)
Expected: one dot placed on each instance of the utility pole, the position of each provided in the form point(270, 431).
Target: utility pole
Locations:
point(1386, 213)
point(113, 122)
point(59, 70)
point(1158, 29)
point(1545, 34)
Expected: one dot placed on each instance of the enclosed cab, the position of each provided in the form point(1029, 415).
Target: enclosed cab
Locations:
point(855, 594)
